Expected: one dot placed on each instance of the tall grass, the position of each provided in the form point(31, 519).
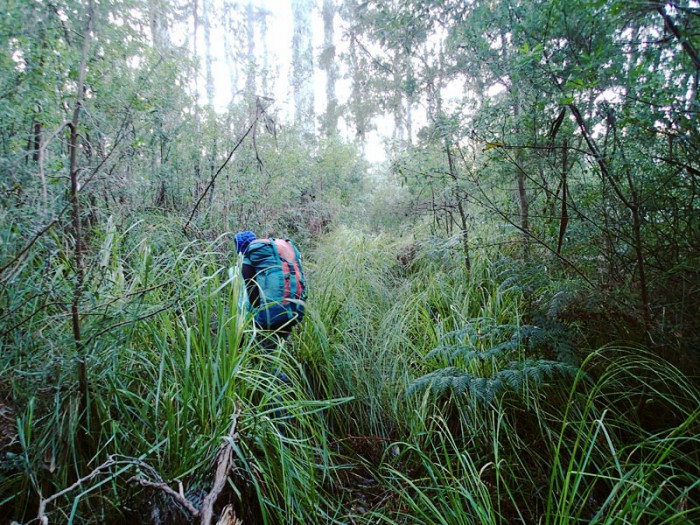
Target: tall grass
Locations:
point(385, 381)
point(171, 357)
point(567, 445)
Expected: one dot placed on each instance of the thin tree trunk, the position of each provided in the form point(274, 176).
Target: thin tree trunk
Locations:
point(75, 211)
point(522, 190)
point(328, 63)
point(265, 76)
point(206, 11)
point(460, 207)
point(195, 17)
point(303, 67)
point(251, 62)
point(564, 221)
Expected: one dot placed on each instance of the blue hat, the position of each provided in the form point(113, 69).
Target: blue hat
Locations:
point(243, 239)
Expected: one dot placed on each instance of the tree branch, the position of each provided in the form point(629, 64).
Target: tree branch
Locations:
point(213, 178)
point(41, 513)
point(224, 465)
point(29, 245)
point(225, 462)
point(129, 321)
point(176, 495)
point(673, 28)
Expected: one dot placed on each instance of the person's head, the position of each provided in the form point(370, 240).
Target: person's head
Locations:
point(243, 239)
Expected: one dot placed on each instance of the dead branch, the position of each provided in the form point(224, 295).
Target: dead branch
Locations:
point(176, 495)
point(225, 462)
point(225, 163)
point(228, 517)
point(44, 502)
point(224, 465)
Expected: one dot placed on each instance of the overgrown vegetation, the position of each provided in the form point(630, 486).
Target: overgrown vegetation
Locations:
point(501, 324)
point(409, 400)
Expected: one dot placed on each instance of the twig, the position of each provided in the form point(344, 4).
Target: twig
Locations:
point(29, 245)
point(224, 465)
point(41, 514)
point(362, 438)
point(213, 178)
point(177, 496)
point(42, 153)
point(129, 321)
point(31, 316)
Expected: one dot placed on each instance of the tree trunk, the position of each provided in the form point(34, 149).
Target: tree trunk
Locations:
point(251, 65)
point(303, 67)
point(357, 104)
point(522, 190)
point(328, 63)
point(230, 29)
point(464, 222)
point(206, 12)
point(265, 73)
point(75, 212)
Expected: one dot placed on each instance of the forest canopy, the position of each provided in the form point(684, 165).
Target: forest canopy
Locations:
point(497, 205)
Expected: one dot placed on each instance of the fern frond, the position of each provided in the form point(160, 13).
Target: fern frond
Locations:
point(437, 380)
point(534, 372)
point(470, 352)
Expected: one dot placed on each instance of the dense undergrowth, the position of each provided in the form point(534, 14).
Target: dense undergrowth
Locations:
point(417, 393)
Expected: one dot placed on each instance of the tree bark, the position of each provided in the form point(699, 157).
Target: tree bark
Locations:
point(673, 28)
point(522, 190)
point(564, 221)
point(251, 63)
point(206, 11)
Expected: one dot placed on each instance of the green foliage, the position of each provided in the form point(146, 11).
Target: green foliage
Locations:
point(169, 358)
point(175, 358)
point(516, 376)
point(454, 368)
point(482, 370)
point(573, 457)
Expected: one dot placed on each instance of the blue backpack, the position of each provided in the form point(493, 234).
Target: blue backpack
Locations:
point(280, 281)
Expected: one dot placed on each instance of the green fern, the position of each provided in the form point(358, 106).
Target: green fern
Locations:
point(515, 377)
point(504, 347)
point(481, 339)
point(552, 338)
point(468, 352)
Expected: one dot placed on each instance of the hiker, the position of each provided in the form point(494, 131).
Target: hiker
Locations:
point(276, 292)
point(274, 281)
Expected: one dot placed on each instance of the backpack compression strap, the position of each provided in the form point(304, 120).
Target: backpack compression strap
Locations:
point(289, 261)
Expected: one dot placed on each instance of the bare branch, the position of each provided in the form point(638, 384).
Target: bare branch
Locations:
point(213, 179)
point(44, 502)
point(177, 496)
point(225, 462)
point(29, 245)
point(128, 321)
point(224, 465)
